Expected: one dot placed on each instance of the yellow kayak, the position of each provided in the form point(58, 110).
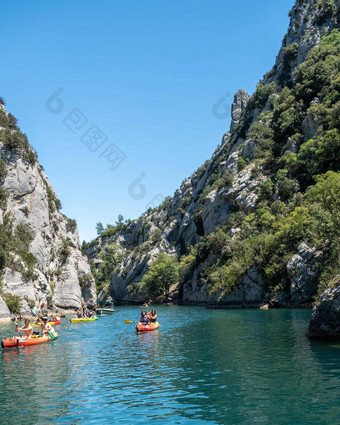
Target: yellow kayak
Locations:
point(85, 319)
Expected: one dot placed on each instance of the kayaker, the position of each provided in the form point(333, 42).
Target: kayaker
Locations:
point(46, 327)
point(78, 315)
point(26, 329)
point(144, 318)
point(152, 316)
point(39, 319)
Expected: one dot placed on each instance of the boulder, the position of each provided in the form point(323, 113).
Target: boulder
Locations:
point(325, 320)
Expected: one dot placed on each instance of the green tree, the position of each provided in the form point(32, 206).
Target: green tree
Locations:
point(326, 192)
point(163, 273)
point(120, 220)
point(99, 228)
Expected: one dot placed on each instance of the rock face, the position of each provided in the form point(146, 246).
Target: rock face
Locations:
point(307, 25)
point(325, 321)
point(249, 294)
point(56, 272)
point(4, 311)
point(230, 181)
point(304, 275)
point(241, 99)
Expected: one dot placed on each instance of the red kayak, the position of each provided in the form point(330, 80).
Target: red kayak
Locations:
point(152, 326)
point(24, 342)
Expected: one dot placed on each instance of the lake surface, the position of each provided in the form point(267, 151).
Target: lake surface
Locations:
point(201, 367)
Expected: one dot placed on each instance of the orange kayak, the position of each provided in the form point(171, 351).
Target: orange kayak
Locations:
point(24, 342)
point(152, 326)
point(56, 322)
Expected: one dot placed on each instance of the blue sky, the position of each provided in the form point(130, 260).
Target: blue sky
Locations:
point(135, 85)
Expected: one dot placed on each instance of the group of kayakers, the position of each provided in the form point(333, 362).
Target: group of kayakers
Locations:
point(46, 327)
point(85, 313)
point(27, 329)
point(146, 318)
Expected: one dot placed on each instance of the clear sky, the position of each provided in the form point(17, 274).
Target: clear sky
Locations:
point(125, 99)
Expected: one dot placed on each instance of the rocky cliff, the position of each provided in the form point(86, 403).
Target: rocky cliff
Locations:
point(40, 257)
point(248, 226)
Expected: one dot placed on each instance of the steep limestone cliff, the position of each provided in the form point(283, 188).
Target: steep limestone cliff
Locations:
point(244, 221)
point(40, 256)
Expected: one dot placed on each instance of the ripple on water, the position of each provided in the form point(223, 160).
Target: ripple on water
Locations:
point(201, 367)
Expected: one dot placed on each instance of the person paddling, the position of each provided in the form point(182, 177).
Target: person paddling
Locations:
point(26, 329)
point(39, 319)
point(46, 327)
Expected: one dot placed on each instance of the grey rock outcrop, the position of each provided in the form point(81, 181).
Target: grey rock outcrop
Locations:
point(325, 321)
point(59, 266)
point(310, 124)
point(303, 273)
point(249, 294)
point(307, 25)
point(4, 311)
point(239, 104)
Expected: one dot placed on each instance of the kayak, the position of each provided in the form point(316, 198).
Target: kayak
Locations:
point(152, 326)
point(88, 319)
point(56, 322)
point(24, 342)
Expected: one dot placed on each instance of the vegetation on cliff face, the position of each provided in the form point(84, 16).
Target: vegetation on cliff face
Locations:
point(291, 208)
point(39, 256)
point(163, 273)
point(286, 149)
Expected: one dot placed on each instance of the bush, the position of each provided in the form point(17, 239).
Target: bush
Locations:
point(241, 163)
point(266, 190)
point(289, 54)
point(71, 224)
point(85, 280)
point(13, 303)
point(286, 187)
point(315, 75)
point(187, 264)
point(3, 119)
point(3, 169)
point(3, 197)
point(64, 251)
point(163, 273)
point(12, 122)
point(262, 93)
point(31, 303)
point(29, 274)
point(326, 8)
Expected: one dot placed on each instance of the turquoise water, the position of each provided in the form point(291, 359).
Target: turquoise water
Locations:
point(201, 367)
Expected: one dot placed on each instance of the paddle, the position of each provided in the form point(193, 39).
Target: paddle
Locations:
point(41, 306)
point(51, 335)
point(127, 321)
point(14, 320)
